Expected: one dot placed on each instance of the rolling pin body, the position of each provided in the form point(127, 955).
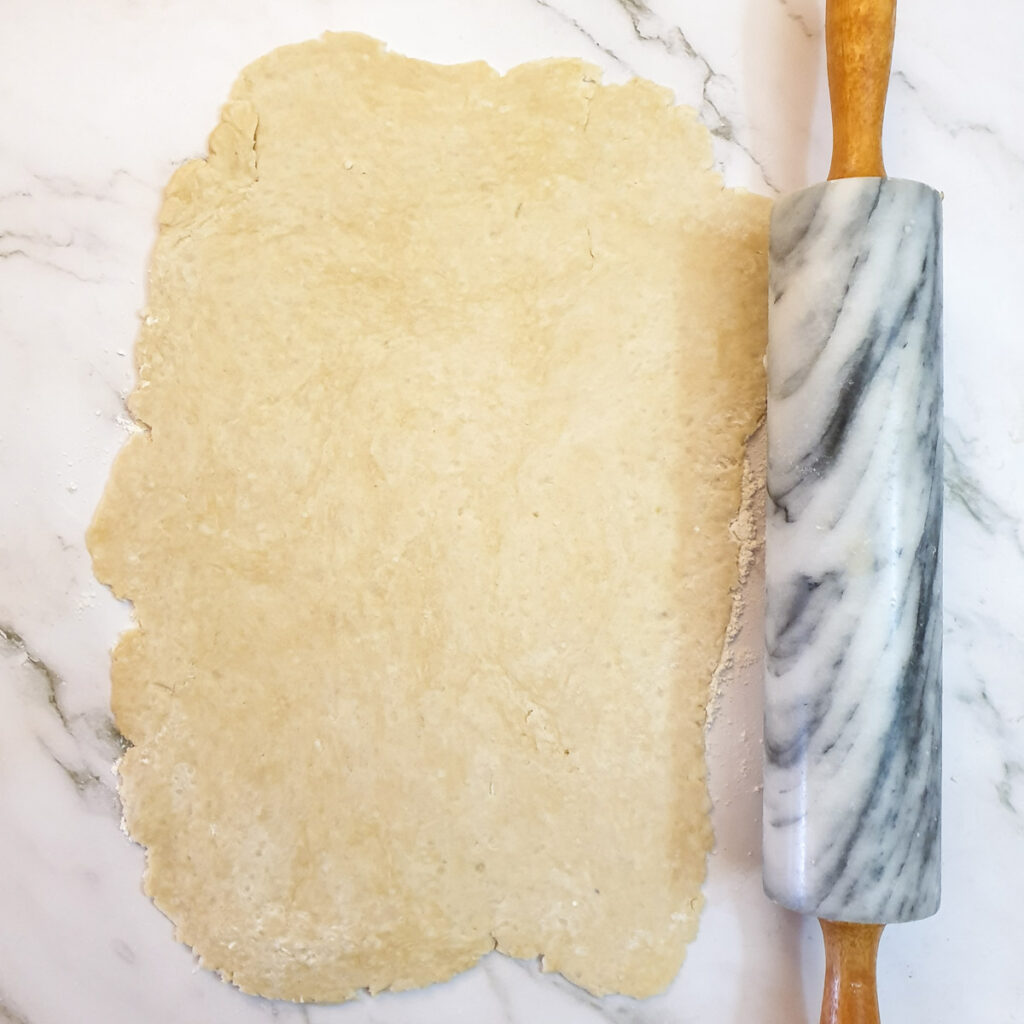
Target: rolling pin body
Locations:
point(853, 535)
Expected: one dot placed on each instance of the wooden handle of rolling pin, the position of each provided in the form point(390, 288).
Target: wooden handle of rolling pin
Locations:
point(850, 952)
point(858, 40)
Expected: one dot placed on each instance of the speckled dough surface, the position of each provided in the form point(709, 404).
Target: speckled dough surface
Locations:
point(446, 377)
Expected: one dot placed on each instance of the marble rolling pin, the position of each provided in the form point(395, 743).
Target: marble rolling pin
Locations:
point(853, 534)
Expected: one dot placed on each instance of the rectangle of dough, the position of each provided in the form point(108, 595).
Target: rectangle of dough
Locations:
point(446, 378)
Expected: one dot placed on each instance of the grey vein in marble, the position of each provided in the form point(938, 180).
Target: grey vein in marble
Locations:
point(648, 28)
point(12, 639)
point(49, 265)
point(10, 1016)
point(592, 39)
point(853, 532)
point(1002, 727)
point(954, 128)
point(965, 490)
point(799, 20)
point(66, 744)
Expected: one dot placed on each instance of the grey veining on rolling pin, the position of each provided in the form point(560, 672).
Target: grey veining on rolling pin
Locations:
point(853, 535)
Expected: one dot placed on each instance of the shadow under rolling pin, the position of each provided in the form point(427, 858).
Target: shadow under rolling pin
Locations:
point(853, 534)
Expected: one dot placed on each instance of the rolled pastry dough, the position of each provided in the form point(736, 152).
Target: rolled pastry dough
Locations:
point(445, 379)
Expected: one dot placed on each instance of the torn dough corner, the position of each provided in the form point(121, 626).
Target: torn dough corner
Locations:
point(446, 376)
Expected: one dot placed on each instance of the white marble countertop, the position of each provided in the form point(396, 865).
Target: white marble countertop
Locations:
point(101, 100)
